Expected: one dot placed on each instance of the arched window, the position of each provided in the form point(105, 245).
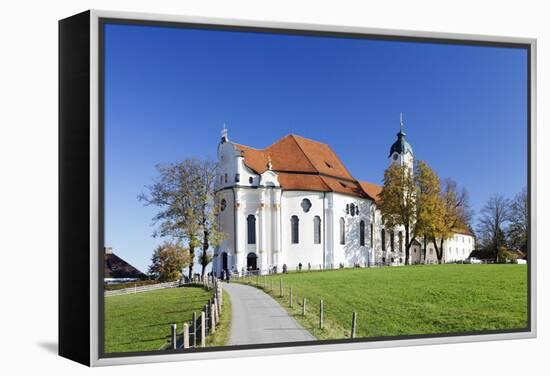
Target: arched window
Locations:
point(383, 239)
point(294, 229)
point(317, 230)
point(392, 241)
point(400, 241)
point(251, 225)
point(362, 233)
point(371, 236)
point(342, 231)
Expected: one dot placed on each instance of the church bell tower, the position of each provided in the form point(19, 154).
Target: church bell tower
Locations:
point(401, 151)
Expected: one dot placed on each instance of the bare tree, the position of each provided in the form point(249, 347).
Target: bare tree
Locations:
point(184, 193)
point(494, 217)
point(518, 231)
point(208, 211)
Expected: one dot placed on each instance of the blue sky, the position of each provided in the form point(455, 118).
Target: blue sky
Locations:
point(168, 92)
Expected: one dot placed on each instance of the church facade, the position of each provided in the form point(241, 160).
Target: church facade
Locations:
point(295, 205)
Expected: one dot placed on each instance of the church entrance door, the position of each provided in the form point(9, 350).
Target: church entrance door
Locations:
point(251, 261)
point(224, 261)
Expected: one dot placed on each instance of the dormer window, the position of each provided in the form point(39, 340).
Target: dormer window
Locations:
point(251, 180)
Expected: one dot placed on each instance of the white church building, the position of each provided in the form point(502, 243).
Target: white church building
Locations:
point(295, 204)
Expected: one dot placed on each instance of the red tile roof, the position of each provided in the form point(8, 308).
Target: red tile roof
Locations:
point(304, 164)
point(373, 190)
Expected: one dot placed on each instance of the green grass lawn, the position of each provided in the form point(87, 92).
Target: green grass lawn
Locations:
point(141, 322)
point(408, 300)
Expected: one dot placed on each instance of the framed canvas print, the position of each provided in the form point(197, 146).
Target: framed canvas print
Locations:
point(235, 188)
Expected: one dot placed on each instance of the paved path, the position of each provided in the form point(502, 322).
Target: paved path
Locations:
point(258, 318)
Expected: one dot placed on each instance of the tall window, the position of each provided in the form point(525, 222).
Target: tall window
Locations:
point(342, 231)
point(392, 241)
point(251, 225)
point(362, 233)
point(400, 241)
point(317, 230)
point(294, 229)
point(371, 236)
point(383, 239)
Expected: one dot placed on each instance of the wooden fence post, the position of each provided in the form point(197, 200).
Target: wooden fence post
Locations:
point(216, 310)
point(353, 324)
point(321, 314)
point(194, 329)
point(203, 330)
point(185, 336)
point(291, 297)
point(304, 307)
point(173, 336)
point(281, 287)
point(212, 319)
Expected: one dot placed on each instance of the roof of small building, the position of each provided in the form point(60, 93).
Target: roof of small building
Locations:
point(115, 267)
point(303, 164)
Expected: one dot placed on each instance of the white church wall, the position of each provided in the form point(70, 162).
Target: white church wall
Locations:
point(232, 170)
point(226, 222)
point(351, 252)
point(305, 251)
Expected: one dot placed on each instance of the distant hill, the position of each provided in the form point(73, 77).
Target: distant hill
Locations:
point(115, 267)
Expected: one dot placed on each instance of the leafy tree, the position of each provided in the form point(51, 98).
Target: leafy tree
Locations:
point(518, 231)
point(430, 213)
point(185, 193)
point(408, 199)
point(168, 261)
point(454, 215)
point(504, 255)
point(494, 216)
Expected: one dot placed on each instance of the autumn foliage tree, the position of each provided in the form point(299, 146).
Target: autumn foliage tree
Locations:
point(410, 199)
point(168, 261)
point(453, 215)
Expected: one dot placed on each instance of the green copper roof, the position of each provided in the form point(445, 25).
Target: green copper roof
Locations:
point(401, 146)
